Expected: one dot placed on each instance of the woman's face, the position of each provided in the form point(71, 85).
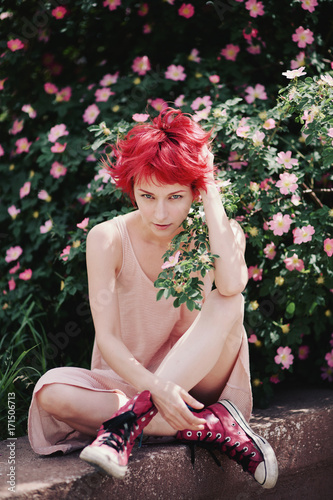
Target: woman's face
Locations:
point(163, 207)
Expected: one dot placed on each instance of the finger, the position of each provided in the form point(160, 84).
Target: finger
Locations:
point(191, 401)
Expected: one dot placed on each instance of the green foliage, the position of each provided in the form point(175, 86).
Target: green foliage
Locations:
point(44, 314)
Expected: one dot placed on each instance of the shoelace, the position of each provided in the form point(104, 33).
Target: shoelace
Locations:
point(238, 456)
point(118, 430)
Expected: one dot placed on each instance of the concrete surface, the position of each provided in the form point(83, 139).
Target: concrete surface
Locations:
point(299, 426)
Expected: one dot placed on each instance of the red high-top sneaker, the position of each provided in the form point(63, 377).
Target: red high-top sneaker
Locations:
point(115, 439)
point(226, 429)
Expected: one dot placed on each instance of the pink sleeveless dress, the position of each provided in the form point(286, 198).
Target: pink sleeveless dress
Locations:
point(149, 329)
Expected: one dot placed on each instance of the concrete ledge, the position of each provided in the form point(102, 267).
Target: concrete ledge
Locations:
point(299, 426)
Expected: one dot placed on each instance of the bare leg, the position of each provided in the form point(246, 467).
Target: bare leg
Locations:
point(73, 406)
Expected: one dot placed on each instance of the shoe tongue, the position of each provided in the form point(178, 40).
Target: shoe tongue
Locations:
point(118, 422)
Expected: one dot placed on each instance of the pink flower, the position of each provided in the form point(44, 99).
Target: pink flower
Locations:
point(17, 127)
point(25, 189)
point(44, 195)
point(26, 275)
point(309, 5)
point(173, 260)
point(57, 131)
point(258, 138)
point(194, 56)
point(83, 224)
point(102, 95)
point(286, 160)
point(302, 37)
point(57, 170)
point(327, 373)
point(329, 358)
point(230, 52)
point(13, 253)
point(46, 227)
point(27, 108)
point(326, 79)
point(233, 160)
point(186, 10)
point(91, 114)
point(299, 61)
point(284, 357)
point(287, 183)
point(328, 246)
point(243, 131)
point(269, 124)
point(22, 145)
point(255, 273)
point(179, 101)
point(58, 147)
point(14, 269)
point(257, 92)
point(303, 234)
point(201, 102)
point(64, 94)
point(175, 73)
point(143, 9)
point(112, 4)
point(294, 263)
point(270, 251)
point(11, 284)
point(2, 152)
point(158, 104)
point(141, 65)
point(214, 78)
point(280, 224)
point(252, 338)
point(274, 379)
point(201, 114)
point(64, 254)
point(59, 12)
point(50, 88)
point(15, 44)
point(2, 83)
point(290, 74)
point(140, 117)
point(255, 8)
point(303, 352)
point(13, 211)
point(108, 79)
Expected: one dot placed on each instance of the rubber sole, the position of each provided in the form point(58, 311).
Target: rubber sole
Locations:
point(101, 460)
point(270, 463)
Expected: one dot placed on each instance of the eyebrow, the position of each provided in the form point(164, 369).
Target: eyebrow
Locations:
point(175, 192)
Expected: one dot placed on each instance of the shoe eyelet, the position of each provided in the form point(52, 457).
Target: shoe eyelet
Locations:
point(199, 433)
point(233, 424)
point(152, 412)
point(253, 454)
point(237, 444)
point(143, 419)
point(218, 436)
point(239, 432)
point(209, 434)
point(227, 439)
point(245, 449)
point(189, 434)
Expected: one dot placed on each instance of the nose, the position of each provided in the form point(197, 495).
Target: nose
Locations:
point(161, 212)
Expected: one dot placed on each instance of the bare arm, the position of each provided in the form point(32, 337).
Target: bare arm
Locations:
point(226, 240)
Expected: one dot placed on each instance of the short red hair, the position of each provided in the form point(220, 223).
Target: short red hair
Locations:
point(168, 149)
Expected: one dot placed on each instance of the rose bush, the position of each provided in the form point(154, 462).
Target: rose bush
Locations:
point(69, 66)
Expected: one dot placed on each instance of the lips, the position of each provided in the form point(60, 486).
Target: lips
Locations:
point(162, 226)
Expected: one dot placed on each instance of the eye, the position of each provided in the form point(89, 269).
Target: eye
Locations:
point(147, 196)
point(176, 196)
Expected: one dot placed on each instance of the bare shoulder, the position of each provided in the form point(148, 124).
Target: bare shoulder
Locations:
point(104, 244)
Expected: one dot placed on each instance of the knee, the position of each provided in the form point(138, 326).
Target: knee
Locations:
point(55, 399)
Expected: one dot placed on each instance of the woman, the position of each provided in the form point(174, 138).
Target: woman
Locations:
point(155, 368)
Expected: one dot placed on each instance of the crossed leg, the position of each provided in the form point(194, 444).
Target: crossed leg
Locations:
point(200, 362)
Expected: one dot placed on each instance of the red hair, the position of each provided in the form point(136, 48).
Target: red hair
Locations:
point(168, 149)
